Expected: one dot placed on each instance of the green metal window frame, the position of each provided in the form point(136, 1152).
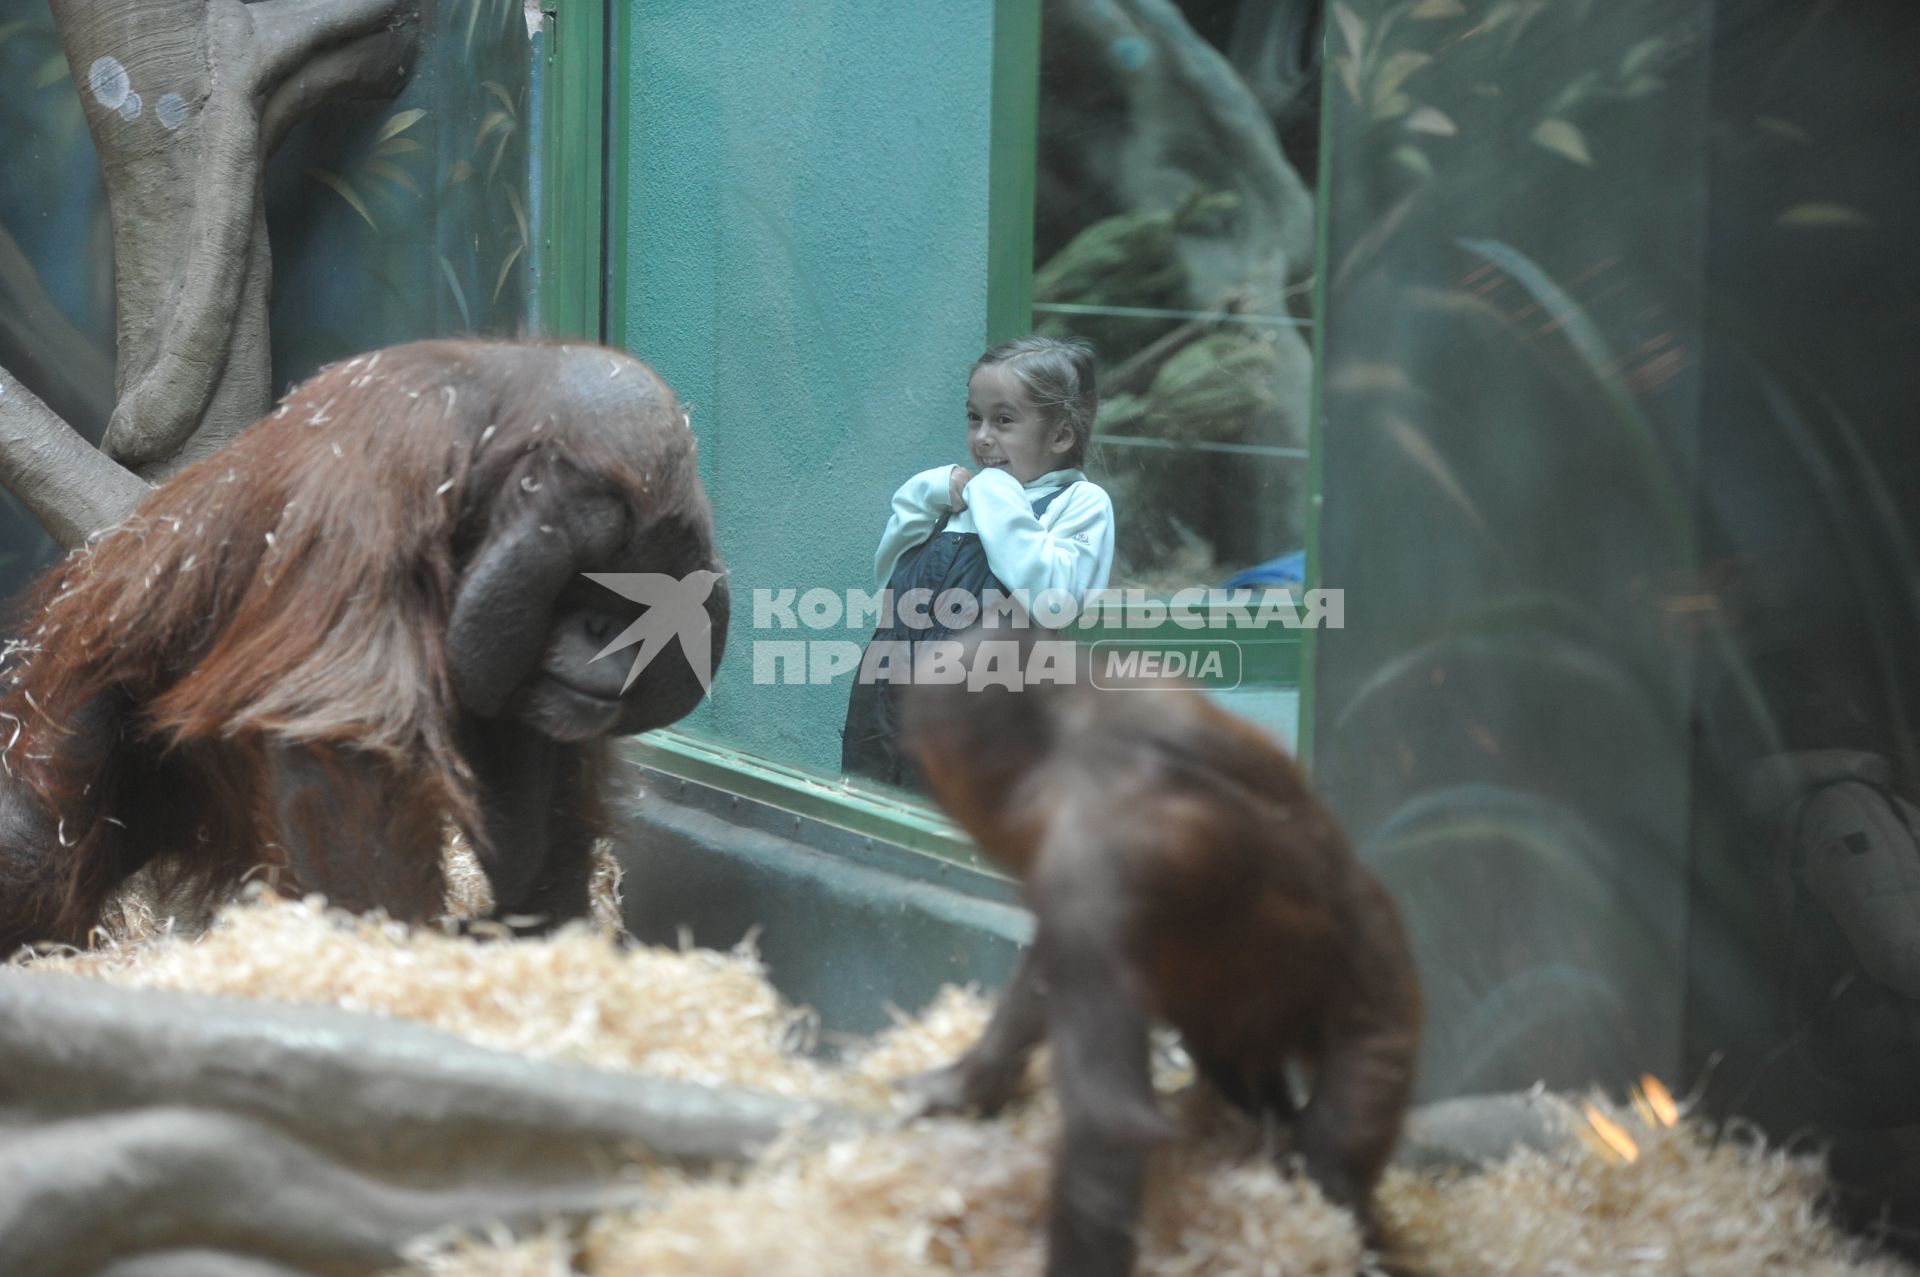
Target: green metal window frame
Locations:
point(619, 109)
point(882, 815)
point(1012, 165)
point(571, 80)
point(1317, 403)
point(583, 62)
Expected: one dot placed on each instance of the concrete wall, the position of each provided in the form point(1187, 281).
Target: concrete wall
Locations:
point(807, 236)
point(846, 925)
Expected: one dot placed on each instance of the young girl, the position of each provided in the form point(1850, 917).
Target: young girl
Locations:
point(1023, 518)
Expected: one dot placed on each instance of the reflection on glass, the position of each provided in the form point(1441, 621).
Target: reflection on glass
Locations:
point(1175, 231)
point(56, 259)
point(1618, 341)
point(409, 218)
point(389, 221)
point(1023, 525)
point(1174, 235)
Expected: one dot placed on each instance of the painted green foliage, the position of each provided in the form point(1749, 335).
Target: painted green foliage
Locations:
point(1559, 442)
point(411, 216)
point(56, 270)
point(1516, 202)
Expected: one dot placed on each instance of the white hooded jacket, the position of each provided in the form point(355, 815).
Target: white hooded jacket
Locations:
point(1069, 547)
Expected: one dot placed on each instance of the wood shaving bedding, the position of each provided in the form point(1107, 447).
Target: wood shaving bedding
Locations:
point(948, 1196)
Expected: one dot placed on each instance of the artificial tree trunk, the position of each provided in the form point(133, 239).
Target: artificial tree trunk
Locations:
point(185, 100)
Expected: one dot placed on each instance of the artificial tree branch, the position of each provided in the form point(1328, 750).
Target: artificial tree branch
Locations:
point(39, 340)
point(290, 33)
point(86, 1191)
point(421, 1105)
point(140, 1121)
point(374, 66)
point(250, 53)
point(72, 487)
point(162, 406)
point(196, 1263)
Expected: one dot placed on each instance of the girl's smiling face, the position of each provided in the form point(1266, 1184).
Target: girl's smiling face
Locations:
point(1005, 431)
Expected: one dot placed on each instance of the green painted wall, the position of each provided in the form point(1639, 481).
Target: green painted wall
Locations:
point(806, 232)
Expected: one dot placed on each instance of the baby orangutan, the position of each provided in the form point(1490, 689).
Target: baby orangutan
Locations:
point(1180, 870)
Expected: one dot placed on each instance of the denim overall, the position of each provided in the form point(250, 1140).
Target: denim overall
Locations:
point(869, 743)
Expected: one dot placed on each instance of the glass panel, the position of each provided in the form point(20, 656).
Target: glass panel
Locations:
point(806, 236)
point(1174, 229)
point(813, 270)
point(56, 258)
point(1617, 412)
point(1512, 424)
point(409, 218)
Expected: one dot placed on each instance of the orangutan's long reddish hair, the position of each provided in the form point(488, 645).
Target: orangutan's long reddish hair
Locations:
point(294, 588)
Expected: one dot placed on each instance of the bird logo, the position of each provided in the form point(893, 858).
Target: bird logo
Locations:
point(676, 607)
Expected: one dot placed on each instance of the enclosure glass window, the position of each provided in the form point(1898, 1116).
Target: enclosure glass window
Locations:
point(1617, 403)
point(1171, 225)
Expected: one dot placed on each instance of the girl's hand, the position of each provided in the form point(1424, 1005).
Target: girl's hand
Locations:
point(956, 502)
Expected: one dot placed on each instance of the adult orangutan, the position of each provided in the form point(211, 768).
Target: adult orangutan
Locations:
point(365, 619)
